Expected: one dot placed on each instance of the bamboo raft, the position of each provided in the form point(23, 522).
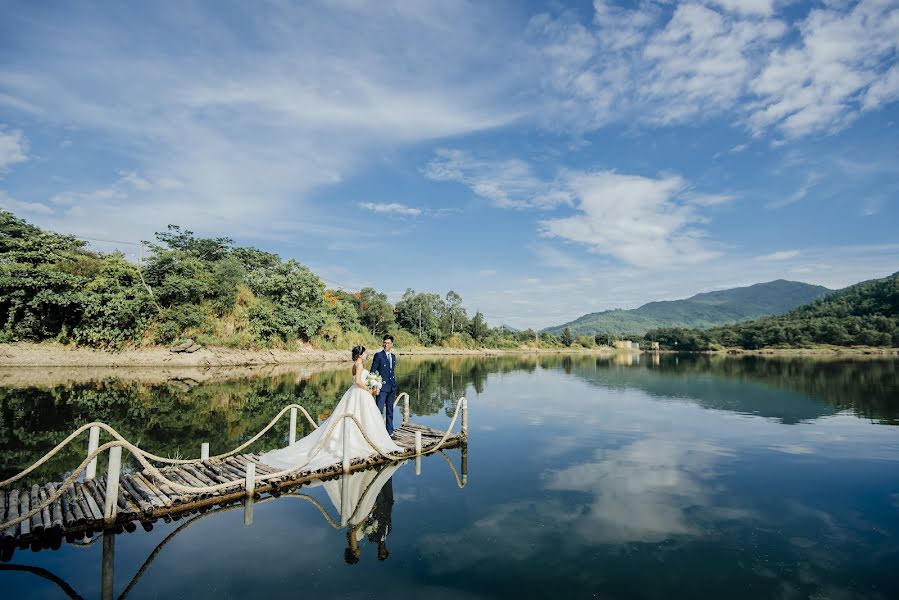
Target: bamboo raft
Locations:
point(143, 497)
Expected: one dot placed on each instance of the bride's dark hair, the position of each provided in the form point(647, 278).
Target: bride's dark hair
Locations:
point(357, 352)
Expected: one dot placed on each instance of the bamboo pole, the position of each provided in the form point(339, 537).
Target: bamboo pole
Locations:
point(406, 409)
point(204, 451)
point(248, 511)
point(293, 426)
point(107, 579)
point(464, 416)
point(112, 485)
point(418, 452)
point(346, 445)
point(251, 479)
point(93, 441)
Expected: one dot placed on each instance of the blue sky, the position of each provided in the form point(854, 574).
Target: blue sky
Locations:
point(542, 159)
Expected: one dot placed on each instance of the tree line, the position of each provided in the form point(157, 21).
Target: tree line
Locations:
point(865, 314)
point(52, 287)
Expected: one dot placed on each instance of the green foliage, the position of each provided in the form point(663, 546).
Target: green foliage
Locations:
point(566, 338)
point(864, 314)
point(176, 320)
point(375, 312)
point(699, 311)
point(51, 288)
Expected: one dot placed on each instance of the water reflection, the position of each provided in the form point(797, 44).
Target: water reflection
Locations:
point(667, 477)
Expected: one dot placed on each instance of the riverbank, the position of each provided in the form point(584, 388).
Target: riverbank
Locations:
point(58, 355)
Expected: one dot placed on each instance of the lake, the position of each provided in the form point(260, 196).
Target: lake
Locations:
point(668, 476)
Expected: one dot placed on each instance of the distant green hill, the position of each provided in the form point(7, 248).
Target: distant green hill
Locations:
point(700, 311)
point(866, 313)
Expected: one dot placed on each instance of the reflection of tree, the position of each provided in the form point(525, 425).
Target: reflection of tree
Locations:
point(172, 419)
point(870, 388)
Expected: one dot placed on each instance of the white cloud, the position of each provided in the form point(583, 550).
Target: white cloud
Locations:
point(19, 207)
point(811, 179)
point(746, 7)
point(655, 66)
point(13, 148)
point(507, 183)
point(838, 68)
point(639, 220)
point(248, 122)
point(392, 208)
point(781, 255)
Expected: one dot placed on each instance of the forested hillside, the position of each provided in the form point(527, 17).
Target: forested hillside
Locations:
point(863, 314)
point(700, 311)
point(53, 288)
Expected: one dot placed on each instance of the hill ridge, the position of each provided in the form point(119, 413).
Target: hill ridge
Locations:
point(702, 310)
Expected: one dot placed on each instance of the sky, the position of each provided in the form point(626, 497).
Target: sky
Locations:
point(542, 159)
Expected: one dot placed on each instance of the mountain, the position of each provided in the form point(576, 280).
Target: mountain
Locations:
point(865, 314)
point(700, 311)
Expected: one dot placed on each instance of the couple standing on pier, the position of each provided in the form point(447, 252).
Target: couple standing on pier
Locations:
point(324, 447)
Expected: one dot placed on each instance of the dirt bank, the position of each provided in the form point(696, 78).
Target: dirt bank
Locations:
point(57, 355)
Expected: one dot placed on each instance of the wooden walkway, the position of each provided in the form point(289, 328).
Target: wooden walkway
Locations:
point(143, 499)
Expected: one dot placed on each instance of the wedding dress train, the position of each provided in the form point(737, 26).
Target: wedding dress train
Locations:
point(303, 453)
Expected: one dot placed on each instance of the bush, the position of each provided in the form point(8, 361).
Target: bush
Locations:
point(174, 321)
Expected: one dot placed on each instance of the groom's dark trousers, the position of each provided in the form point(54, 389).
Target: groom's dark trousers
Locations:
point(385, 401)
point(385, 366)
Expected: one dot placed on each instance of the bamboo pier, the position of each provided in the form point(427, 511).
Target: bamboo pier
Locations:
point(84, 503)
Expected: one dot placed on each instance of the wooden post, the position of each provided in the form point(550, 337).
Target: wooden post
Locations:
point(248, 511)
point(112, 485)
point(93, 442)
point(346, 511)
point(204, 451)
point(418, 453)
point(406, 409)
point(293, 425)
point(464, 402)
point(251, 478)
point(107, 569)
point(346, 445)
point(464, 464)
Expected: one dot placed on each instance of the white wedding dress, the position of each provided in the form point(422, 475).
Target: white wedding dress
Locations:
point(307, 454)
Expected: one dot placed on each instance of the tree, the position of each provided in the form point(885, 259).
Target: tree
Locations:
point(375, 312)
point(454, 317)
point(567, 337)
point(479, 328)
point(420, 314)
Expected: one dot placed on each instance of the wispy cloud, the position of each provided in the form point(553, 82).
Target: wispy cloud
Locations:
point(781, 255)
point(639, 220)
point(13, 148)
point(660, 67)
point(250, 121)
point(811, 179)
point(392, 208)
point(509, 183)
point(20, 207)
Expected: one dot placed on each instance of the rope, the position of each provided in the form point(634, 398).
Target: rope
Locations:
point(174, 461)
point(141, 457)
point(453, 469)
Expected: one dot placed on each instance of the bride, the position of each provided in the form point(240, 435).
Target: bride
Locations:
point(313, 452)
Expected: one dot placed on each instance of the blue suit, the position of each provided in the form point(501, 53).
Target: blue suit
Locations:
point(386, 368)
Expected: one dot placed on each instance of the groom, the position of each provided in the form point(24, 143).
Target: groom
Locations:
point(384, 363)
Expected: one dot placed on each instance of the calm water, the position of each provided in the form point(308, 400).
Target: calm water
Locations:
point(680, 478)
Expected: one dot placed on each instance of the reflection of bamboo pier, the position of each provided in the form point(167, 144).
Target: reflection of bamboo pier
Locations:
point(42, 515)
point(351, 514)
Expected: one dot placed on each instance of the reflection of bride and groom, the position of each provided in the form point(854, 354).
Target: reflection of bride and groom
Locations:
point(313, 452)
point(364, 499)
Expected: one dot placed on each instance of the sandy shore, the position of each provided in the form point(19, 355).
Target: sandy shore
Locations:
point(57, 355)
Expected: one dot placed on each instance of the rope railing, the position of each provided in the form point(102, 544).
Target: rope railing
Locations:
point(144, 458)
point(150, 456)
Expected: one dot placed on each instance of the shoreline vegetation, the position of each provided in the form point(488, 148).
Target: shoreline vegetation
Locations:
point(202, 302)
point(61, 356)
